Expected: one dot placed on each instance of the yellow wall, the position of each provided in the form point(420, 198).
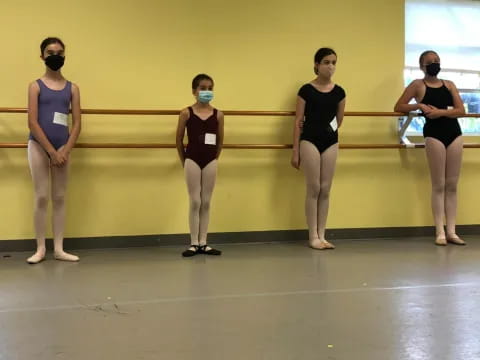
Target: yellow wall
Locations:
point(143, 54)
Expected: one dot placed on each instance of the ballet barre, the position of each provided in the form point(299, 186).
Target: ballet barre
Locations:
point(226, 112)
point(405, 143)
point(231, 146)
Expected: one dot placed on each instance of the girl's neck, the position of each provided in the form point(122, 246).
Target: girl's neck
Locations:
point(200, 105)
point(431, 79)
point(322, 81)
point(53, 75)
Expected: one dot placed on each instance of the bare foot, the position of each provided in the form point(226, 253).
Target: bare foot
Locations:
point(455, 239)
point(321, 244)
point(440, 240)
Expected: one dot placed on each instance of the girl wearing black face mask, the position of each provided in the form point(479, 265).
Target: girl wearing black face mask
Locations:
point(441, 105)
point(50, 99)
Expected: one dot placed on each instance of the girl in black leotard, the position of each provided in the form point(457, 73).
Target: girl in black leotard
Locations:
point(320, 108)
point(204, 126)
point(441, 105)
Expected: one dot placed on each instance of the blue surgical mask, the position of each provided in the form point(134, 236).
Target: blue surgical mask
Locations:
point(205, 96)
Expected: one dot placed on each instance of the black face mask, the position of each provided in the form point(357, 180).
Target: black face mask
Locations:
point(433, 69)
point(55, 62)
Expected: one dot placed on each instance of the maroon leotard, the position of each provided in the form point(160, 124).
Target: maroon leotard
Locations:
point(197, 150)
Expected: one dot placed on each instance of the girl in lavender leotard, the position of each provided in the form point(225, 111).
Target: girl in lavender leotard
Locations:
point(50, 99)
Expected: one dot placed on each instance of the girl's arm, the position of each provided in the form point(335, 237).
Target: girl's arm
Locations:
point(341, 111)
point(76, 119)
point(220, 118)
point(299, 116)
point(182, 122)
point(409, 93)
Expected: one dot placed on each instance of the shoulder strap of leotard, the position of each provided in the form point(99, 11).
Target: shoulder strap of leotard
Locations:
point(40, 84)
point(190, 114)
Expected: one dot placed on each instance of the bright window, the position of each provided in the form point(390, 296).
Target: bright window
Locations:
point(452, 29)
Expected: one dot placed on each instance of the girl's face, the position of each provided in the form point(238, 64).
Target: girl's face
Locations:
point(428, 59)
point(53, 49)
point(326, 67)
point(202, 86)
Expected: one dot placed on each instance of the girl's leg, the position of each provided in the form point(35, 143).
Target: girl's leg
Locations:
point(59, 187)
point(454, 163)
point(40, 170)
point(310, 163)
point(328, 162)
point(193, 177)
point(209, 175)
point(436, 156)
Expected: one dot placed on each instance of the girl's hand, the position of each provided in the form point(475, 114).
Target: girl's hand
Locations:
point(61, 157)
point(426, 109)
point(295, 161)
point(434, 112)
point(56, 159)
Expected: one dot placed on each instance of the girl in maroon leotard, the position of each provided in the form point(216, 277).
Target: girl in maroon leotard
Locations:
point(204, 126)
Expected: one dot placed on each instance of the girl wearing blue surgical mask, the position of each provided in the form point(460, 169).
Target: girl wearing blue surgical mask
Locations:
point(441, 105)
point(204, 125)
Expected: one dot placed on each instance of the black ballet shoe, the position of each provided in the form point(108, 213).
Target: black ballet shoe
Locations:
point(191, 251)
point(203, 250)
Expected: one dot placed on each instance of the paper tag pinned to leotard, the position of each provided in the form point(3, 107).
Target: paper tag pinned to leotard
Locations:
point(210, 139)
point(334, 124)
point(60, 119)
point(449, 107)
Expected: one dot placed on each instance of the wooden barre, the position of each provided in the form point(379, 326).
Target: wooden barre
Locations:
point(226, 112)
point(176, 112)
point(227, 146)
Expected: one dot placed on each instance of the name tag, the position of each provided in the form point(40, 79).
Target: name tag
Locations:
point(210, 139)
point(334, 124)
point(449, 107)
point(60, 119)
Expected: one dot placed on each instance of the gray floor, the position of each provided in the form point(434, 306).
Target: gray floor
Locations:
point(376, 299)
